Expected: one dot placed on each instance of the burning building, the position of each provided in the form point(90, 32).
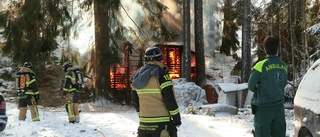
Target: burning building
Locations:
point(133, 59)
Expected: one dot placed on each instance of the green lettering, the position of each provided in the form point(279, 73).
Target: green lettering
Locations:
point(275, 66)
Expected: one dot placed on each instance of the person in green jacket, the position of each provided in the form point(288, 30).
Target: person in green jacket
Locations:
point(267, 82)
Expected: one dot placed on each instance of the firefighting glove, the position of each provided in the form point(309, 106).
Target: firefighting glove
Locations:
point(37, 97)
point(177, 123)
point(19, 93)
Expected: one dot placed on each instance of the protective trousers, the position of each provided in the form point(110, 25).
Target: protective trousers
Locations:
point(72, 107)
point(22, 113)
point(28, 100)
point(270, 121)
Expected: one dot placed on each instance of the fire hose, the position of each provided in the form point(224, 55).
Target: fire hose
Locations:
point(100, 132)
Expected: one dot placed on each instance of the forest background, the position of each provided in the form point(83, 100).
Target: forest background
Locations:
point(42, 31)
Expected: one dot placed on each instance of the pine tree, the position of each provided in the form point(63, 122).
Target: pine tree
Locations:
point(229, 37)
point(109, 37)
point(31, 30)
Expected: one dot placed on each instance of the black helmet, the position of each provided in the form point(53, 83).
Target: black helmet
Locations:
point(153, 54)
point(28, 65)
point(66, 65)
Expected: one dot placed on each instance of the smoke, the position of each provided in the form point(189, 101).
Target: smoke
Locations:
point(83, 39)
point(131, 11)
point(132, 16)
point(2, 7)
point(212, 18)
point(174, 18)
point(211, 22)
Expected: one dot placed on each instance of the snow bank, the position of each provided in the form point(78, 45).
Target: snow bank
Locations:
point(220, 108)
point(211, 109)
point(187, 93)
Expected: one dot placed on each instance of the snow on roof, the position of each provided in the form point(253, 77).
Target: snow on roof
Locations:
point(232, 87)
point(314, 30)
point(231, 84)
point(308, 93)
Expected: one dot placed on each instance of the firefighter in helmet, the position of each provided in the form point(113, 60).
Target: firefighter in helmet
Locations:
point(29, 95)
point(71, 93)
point(153, 97)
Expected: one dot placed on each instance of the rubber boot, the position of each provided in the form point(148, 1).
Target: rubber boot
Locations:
point(76, 112)
point(34, 113)
point(22, 113)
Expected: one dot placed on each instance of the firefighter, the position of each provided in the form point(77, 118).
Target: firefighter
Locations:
point(30, 94)
point(153, 98)
point(71, 93)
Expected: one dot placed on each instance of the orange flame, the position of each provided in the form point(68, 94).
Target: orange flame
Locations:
point(120, 79)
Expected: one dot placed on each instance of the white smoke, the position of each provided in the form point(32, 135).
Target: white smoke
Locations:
point(132, 16)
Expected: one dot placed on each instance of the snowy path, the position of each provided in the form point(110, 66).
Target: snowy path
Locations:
point(117, 121)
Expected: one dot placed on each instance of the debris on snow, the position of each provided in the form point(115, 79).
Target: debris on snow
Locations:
point(187, 93)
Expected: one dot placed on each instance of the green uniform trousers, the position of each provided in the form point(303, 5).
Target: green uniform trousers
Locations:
point(270, 121)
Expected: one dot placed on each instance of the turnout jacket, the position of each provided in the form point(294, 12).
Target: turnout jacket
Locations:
point(152, 94)
point(268, 80)
point(31, 82)
point(70, 84)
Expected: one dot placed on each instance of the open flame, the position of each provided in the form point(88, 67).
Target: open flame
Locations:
point(120, 73)
point(173, 61)
point(120, 77)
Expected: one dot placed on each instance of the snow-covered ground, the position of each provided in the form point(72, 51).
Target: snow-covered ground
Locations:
point(121, 121)
point(103, 119)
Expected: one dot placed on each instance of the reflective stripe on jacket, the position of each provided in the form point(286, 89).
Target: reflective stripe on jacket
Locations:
point(152, 107)
point(70, 81)
point(31, 82)
point(268, 80)
point(154, 99)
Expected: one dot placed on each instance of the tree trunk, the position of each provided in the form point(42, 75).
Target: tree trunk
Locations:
point(246, 48)
point(186, 59)
point(102, 66)
point(225, 45)
point(278, 22)
point(293, 39)
point(301, 36)
point(199, 46)
point(305, 40)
